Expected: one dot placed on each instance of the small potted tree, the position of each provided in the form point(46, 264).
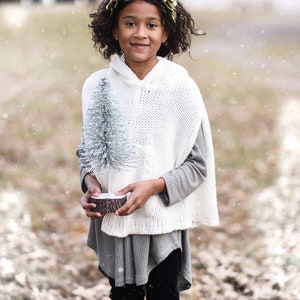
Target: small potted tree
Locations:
point(105, 143)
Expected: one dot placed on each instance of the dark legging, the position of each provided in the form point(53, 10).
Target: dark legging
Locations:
point(162, 283)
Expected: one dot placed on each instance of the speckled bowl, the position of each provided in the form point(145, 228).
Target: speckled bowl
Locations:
point(108, 203)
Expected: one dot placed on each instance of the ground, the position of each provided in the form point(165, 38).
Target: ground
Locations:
point(248, 70)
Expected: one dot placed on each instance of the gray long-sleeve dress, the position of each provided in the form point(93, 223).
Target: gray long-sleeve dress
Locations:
point(129, 260)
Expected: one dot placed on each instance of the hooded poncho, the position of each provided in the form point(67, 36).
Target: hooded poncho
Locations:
point(164, 112)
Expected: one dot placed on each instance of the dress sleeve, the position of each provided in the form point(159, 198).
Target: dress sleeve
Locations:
point(82, 170)
point(183, 180)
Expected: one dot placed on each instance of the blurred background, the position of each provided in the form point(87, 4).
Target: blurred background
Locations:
point(248, 70)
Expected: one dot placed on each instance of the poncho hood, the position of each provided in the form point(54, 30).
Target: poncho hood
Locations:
point(161, 74)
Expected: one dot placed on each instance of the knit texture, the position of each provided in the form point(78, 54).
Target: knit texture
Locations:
point(164, 112)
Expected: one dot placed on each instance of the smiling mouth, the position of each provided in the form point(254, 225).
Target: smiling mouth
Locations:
point(137, 45)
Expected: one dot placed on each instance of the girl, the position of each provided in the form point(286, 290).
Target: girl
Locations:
point(143, 249)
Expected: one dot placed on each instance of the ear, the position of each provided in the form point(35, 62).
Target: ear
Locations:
point(115, 33)
point(165, 37)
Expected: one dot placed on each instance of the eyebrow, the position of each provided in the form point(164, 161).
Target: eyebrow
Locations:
point(148, 19)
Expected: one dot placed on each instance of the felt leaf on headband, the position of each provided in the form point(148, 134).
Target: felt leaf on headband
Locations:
point(170, 4)
point(111, 6)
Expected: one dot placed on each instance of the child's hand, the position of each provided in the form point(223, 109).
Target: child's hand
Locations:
point(84, 201)
point(93, 190)
point(140, 192)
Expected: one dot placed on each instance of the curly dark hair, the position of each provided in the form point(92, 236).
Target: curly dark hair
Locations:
point(179, 33)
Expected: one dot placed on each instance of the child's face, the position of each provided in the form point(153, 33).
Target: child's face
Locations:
point(140, 32)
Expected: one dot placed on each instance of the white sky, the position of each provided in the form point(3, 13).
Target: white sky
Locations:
point(279, 5)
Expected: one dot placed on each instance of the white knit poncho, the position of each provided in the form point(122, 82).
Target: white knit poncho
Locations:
point(164, 112)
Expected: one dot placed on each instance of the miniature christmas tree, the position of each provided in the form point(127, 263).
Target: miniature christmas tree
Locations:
point(106, 143)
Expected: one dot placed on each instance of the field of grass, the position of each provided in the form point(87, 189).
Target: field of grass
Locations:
point(46, 54)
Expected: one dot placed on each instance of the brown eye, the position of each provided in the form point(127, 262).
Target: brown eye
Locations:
point(152, 26)
point(130, 24)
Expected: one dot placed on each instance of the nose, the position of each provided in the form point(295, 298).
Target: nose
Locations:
point(140, 32)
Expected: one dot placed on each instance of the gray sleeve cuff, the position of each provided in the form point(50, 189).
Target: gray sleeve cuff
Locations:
point(82, 174)
point(82, 170)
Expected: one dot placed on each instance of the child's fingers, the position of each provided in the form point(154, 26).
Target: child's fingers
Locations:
point(133, 203)
point(128, 208)
point(89, 213)
point(125, 190)
point(87, 206)
point(123, 210)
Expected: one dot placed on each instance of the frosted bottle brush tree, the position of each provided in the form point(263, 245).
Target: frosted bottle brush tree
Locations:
point(105, 138)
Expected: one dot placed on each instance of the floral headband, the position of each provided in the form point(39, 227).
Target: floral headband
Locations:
point(170, 4)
